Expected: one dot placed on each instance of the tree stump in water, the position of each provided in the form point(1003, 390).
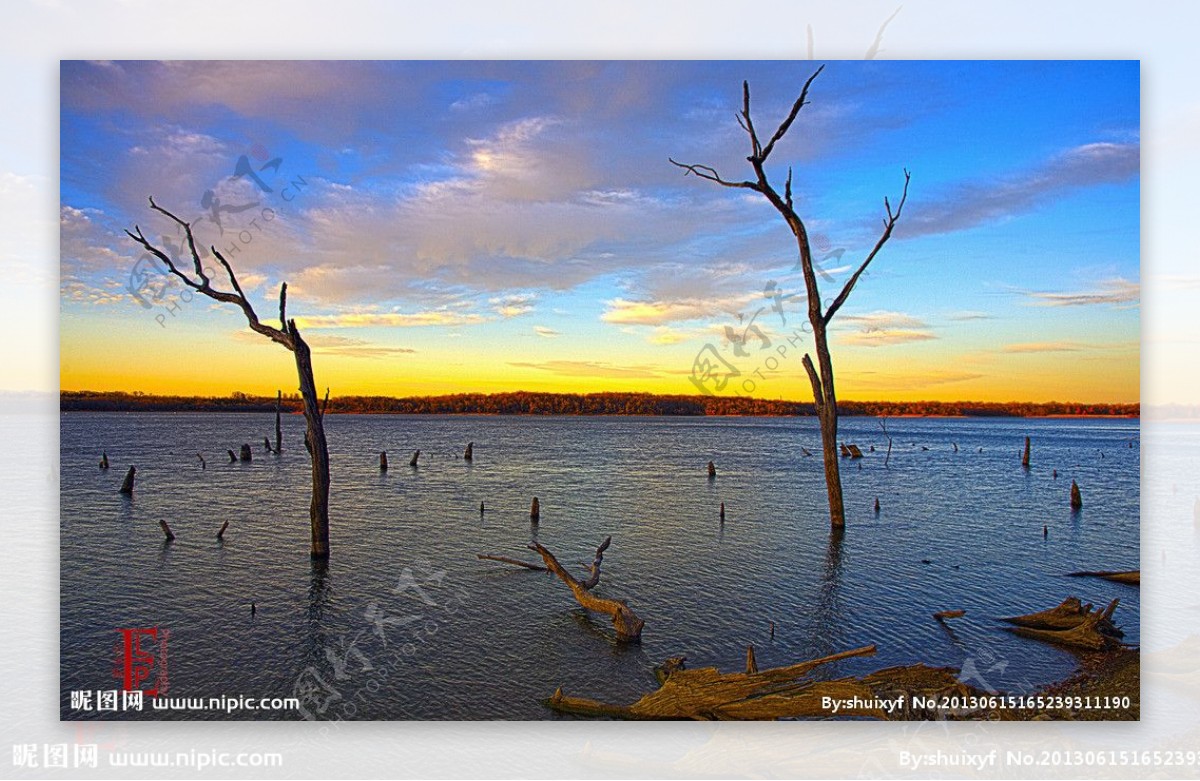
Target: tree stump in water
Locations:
point(127, 486)
point(722, 511)
point(278, 422)
point(246, 455)
point(221, 533)
point(383, 461)
point(712, 470)
point(170, 535)
point(1076, 497)
point(267, 445)
point(535, 511)
point(877, 505)
point(104, 461)
point(203, 464)
point(1025, 456)
point(469, 453)
point(413, 461)
point(232, 457)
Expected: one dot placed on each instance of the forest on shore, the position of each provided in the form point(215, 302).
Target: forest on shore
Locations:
point(527, 403)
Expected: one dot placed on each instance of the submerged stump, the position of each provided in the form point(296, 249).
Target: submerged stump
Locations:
point(127, 485)
point(246, 454)
point(1076, 497)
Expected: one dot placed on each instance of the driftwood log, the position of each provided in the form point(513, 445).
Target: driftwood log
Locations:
point(1130, 577)
point(624, 620)
point(780, 692)
point(851, 451)
point(942, 615)
point(1072, 623)
point(1076, 497)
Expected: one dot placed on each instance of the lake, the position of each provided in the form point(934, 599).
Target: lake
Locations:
point(404, 622)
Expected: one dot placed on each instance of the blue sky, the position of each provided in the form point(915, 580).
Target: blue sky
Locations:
point(448, 226)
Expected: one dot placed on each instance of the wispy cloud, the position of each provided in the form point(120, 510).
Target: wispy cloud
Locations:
point(543, 331)
point(513, 305)
point(354, 348)
point(389, 319)
point(1110, 291)
point(1043, 347)
point(624, 312)
point(967, 315)
point(591, 369)
point(980, 202)
point(883, 328)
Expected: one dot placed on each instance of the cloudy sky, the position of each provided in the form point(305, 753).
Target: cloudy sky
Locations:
point(460, 226)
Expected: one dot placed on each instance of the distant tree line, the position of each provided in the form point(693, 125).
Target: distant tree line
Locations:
point(526, 403)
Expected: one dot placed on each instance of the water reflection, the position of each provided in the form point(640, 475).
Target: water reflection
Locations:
point(829, 614)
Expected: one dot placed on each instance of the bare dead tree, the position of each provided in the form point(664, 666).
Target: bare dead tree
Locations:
point(288, 336)
point(820, 375)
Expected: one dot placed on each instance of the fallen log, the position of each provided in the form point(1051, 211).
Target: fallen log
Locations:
point(624, 620)
point(941, 615)
point(1130, 577)
point(514, 562)
point(1073, 624)
point(781, 692)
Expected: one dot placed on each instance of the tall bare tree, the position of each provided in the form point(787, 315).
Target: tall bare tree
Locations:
point(288, 336)
point(821, 375)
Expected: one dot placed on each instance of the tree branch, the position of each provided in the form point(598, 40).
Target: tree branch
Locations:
point(204, 286)
point(283, 307)
point(888, 225)
point(710, 173)
point(818, 395)
point(787, 123)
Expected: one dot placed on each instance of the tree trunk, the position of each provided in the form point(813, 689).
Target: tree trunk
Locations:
point(278, 423)
point(319, 449)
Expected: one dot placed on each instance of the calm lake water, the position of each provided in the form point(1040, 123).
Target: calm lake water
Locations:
point(405, 623)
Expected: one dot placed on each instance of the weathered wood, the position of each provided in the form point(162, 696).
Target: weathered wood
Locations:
point(413, 461)
point(1076, 497)
point(751, 662)
point(722, 511)
point(469, 453)
point(624, 620)
point(221, 532)
point(127, 485)
point(267, 445)
point(781, 692)
point(593, 569)
point(383, 464)
point(1073, 624)
point(1025, 455)
point(1130, 577)
point(535, 510)
point(877, 505)
point(170, 535)
point(232, 456)
point(278, 422)
point(514, 562)
point(104, 460)
point(712, 470)
point(941, 615)
point(246, 454)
